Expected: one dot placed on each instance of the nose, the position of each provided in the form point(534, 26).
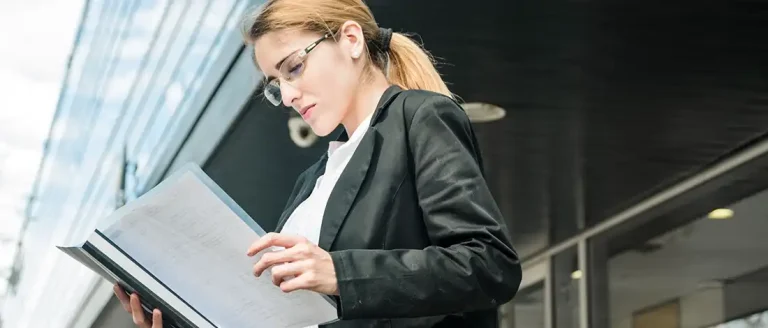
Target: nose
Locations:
point(289, 93)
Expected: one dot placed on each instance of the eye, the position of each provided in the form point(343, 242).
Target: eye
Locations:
point(296, 69)
point(292, 68)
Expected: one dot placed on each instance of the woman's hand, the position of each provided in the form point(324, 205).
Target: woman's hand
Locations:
point(133, 306)
point(301, 265)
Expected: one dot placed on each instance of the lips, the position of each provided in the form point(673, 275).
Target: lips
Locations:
point(306, 111)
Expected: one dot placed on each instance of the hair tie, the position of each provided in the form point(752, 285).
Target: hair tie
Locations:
point(385, 37)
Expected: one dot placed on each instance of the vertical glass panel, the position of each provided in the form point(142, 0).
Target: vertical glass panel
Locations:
point(526, 310)
point(146, 91)
point(211, 32)
point(176, 90)
point(565, 284)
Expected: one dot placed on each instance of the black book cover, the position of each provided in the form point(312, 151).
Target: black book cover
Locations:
point(100, 263)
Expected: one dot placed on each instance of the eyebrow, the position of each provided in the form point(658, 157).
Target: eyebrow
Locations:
point(280, 63)
point(277, 66)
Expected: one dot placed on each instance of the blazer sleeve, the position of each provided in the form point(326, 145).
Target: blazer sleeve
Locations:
point(471, 265)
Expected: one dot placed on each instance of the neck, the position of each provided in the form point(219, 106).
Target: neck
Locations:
point(366, 99)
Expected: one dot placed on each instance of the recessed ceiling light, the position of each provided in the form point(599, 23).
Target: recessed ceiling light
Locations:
point(479, 112)
point(576, 275)
point(721, 214)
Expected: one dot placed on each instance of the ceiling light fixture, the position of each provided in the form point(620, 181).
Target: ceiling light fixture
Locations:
point(479, 112)
point(576, 275)
point(720, 214)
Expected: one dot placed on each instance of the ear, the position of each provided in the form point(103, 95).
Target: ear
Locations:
point(351, 39)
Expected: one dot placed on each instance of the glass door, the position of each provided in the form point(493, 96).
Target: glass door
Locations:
point(529, 308)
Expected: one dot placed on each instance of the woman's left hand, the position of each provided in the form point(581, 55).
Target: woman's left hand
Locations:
point(310, 266)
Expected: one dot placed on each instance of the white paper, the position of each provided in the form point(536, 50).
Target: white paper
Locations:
point(192, 241)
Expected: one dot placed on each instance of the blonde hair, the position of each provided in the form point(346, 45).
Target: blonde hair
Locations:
point(410, 66)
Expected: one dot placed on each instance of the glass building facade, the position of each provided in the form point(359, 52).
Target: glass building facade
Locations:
point(140, 74)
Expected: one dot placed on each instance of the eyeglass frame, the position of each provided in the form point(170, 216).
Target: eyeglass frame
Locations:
point(302, 56)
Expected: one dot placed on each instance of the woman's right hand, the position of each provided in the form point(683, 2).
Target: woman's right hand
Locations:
point(133, 306)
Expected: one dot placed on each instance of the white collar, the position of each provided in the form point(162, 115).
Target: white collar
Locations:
point(333, 146)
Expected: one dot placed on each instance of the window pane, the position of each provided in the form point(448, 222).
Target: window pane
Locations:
point(526, 310)
point(566, 276)
point(702, 274)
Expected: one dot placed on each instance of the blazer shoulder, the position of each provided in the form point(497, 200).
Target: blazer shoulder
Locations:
point(418, 97)
point(416, 101)
point(418, 104)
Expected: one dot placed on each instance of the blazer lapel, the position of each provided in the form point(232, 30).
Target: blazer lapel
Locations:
point(345, 191)
point(306, 190)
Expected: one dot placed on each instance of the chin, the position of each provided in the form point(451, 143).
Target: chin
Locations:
point(322, 130)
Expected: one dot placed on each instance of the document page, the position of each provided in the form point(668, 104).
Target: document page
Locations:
point(191, 240)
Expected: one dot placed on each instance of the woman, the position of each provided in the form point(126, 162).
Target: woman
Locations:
point(396, 221)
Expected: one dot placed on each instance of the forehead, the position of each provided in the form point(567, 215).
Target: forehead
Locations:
point(272, 47)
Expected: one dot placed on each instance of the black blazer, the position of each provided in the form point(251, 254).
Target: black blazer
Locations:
point(415, 235)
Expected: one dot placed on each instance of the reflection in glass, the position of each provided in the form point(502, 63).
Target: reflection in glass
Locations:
point(526, 310)
point(209, 34)
point(565, 277)
point(715, 271)
point(757, 320)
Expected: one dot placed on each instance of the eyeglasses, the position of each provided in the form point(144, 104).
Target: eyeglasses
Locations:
point(291, 68)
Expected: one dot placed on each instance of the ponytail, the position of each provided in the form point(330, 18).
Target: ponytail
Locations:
point(411, 67)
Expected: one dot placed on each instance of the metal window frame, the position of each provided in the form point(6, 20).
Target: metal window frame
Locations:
point(743, 161)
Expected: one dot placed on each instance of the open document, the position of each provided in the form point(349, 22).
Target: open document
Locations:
point(182, 247)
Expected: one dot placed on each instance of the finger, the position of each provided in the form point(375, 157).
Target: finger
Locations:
point(295, 253)
point(125, 301)
point(157, 319)
point(300, 282)
point(274, 239)
point(138, 312)
point(267, 260)
point(287, 271)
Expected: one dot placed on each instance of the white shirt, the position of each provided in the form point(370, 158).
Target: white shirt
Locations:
point(307, 218)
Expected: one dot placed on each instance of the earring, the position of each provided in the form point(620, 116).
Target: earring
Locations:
point(356, 55)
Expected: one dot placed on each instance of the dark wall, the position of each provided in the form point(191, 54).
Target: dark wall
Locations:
point(257, 163)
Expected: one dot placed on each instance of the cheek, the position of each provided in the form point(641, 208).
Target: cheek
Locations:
point(331, 87)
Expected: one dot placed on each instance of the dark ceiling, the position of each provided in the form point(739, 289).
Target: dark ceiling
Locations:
point(622, 98)
point(607, 102)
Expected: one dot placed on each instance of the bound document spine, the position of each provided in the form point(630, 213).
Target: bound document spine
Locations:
point(135, 278)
